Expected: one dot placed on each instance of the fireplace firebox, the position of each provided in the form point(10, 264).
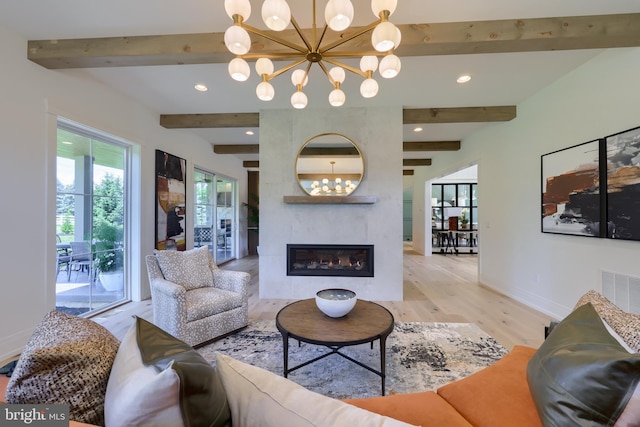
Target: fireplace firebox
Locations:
point(330, 260)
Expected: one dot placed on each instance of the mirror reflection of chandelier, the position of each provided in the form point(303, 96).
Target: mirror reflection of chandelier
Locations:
point(332, 185)
point(276, 14)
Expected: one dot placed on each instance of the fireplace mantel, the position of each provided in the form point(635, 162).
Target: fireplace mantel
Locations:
point(323, 200)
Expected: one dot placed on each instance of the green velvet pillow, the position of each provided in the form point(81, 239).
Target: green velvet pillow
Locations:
point(581, 376)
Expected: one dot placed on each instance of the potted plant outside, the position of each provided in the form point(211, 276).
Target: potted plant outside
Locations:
point(464, 219)
point(109, 260)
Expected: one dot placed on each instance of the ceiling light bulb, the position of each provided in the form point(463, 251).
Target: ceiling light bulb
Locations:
point(337, 74)
point(201, 87)
point(299, 100)
point(276, 14)
point(464, 78)
point(265, 91)
point(338, 14)
point(337, 98)
point(298, 77)
point(390, 66)
point(385, 37)
point(264, 66)
point(369, 63)
point(237, 40)
point(378, 6)
point(325, 181)
point(238, 7)
point(239, 69)
point(369, 88)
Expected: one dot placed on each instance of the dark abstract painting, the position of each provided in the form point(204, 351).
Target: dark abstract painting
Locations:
point(571, 190)
point(623, 184)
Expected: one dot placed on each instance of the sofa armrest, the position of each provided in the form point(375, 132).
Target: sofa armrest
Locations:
point(167, 288)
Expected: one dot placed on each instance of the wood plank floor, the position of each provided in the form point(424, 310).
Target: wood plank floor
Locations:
point(436, 289)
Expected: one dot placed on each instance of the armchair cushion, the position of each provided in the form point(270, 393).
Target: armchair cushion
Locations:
point(206, 302)
point(189, 269)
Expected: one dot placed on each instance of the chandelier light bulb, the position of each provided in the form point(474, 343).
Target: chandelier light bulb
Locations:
point(337, 74)
point(385, 37)
point(338, 180)
point(237, 40)
point(369, 88)
point(338, 14)
point(238, 7)
point(239, 69)
point(264, 66)
point(276, 14)
point(265, 91)
point(378, 6)
point(369, 63)
point(390, 66)
point(337, 98)
point(299, 77)
point(299, 100)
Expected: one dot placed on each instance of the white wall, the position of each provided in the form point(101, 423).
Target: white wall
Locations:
point(378, 133)
point(548, 272)
point(30, 99)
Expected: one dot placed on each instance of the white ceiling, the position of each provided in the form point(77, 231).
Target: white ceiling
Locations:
point(424, 82)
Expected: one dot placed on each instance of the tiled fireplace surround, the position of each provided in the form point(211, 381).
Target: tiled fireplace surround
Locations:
point(378, 133)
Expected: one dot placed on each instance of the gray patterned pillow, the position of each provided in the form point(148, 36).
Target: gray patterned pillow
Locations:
point(189, 269)
point(626, 325)
point(75, 355)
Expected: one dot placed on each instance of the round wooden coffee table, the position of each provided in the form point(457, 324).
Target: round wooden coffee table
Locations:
point(366, 323)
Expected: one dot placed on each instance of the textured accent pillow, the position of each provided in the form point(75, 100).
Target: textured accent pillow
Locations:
point(67, 360)
point(260, 398)
point(158, 380)
point(189, 269)
point(582, 376)
point(626, 325)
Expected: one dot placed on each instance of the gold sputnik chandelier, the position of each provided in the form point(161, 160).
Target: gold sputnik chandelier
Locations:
point(385, 38)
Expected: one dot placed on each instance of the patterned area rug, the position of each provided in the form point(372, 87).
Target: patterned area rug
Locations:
point(420, 356)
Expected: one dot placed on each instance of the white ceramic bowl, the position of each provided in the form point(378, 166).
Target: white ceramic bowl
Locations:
point(336, 302)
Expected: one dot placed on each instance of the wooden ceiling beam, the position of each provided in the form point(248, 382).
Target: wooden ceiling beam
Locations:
point(221, 120)
point(251, 164)
point(431, 146)
point(453, 38)
point(236, 149)
point(416, 162)
point(409, 116)
point(458, 115)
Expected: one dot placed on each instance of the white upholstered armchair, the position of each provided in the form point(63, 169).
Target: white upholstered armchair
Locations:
point(193, 299)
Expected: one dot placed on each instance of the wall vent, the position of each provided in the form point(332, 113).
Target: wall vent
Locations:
point(622, 290)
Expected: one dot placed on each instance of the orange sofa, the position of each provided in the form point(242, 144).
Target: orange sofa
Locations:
point(496, 396)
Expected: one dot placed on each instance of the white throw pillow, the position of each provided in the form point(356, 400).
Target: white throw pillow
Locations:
point(260, 398)
point(189, 269)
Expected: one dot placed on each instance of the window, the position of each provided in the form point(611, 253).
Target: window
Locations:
point(91, 177)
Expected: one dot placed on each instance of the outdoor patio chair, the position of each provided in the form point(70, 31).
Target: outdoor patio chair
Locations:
point(193, 299)
point(80, 258)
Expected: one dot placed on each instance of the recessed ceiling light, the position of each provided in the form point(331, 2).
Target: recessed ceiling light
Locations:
point(464, 78)
point(249, 132)
point(418, 129)
point(200, 87)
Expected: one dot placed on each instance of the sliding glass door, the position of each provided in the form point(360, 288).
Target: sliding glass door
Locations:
point(90, 249)
point(214, 210)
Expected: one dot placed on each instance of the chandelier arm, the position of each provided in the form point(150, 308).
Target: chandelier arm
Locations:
point(272, 55)
point(324, 32)
point(324, 68)
point(355, 54)
point(286, 68)
point(275, 39)
point(357, 34)
point(301, 35)
point(343, 65)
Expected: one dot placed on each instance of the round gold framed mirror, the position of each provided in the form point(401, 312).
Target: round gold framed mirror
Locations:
point(329, 164)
